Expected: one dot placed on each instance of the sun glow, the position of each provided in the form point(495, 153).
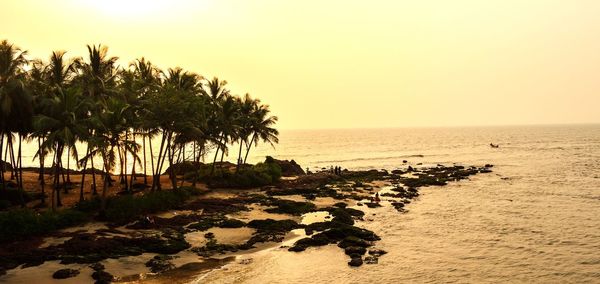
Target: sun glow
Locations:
point(130, 9)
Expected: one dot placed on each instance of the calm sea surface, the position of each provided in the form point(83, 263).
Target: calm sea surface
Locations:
point(534, 219)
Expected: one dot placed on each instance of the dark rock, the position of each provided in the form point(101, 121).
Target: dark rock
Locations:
point(160, 263)
point(291, 207)
point(65, 273)
point(340, 205)
point(209, 235)
point(356, 261)
point(371, 260)
point(373, 204)
point(355, 250)
point(271, 225)
point(352, 241)
point(102, 276)
point(377, 252)
point(488, 165)
point(97, 266)
point(184, 167)
point(232, 223)
point(289, 168)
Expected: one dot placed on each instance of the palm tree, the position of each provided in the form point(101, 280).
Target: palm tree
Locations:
point(246, 106)
point(262, 127)
point(62, 122)
point(15, 102)
point(97, 79)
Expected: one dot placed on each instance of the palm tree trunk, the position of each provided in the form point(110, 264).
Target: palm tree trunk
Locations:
point(57, 175)
point(12, 157)
point(53, 183)
point(94, 191)
point(132, 170)
point(42, 156)
point(105, 186)
point(69, 165)
point(81, 199)
point(151, 158)
point(2, 169)
point(41, 159)
point(212, 170)
point(239, 159)
point(145, 163)
point(248, 149)
point(20, 179)
point(171, 156)
point(156, 173)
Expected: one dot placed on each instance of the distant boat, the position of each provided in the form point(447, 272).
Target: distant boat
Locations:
point(494, 145)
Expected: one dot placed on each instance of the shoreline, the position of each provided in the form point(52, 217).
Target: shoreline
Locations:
point(205, 226)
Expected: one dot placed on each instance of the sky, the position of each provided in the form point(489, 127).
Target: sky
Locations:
point(351, 64)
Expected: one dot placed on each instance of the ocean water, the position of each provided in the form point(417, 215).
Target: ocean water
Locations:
point(534, 219)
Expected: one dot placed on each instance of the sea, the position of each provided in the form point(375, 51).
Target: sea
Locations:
point(534, 219)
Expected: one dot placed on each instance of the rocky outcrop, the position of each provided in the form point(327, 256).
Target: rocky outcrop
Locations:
point(289, 168)
point(183, 168)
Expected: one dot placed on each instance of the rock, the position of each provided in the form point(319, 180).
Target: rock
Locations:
point(288, 168)
point(184, 167)
point(373, 204)
point(404, 161)
point(356, 261)
point(102, 277)
point(371, 260)
point(488, 165)
point(271, 225)
point(355, 250)
point(209, 235)
point(160, 263)
point(377, 252)
point(232, 223)
point(65, 273)
point(97, 266)
point(353, 241)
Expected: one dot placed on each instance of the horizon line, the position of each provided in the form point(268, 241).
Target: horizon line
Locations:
point(448, 126)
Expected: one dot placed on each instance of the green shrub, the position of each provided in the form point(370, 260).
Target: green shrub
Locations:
point(13, 195)
point(258, 175)
point(126, 208)
point(16, 224)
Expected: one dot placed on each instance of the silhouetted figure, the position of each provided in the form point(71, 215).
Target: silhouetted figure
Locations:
point(377, 199)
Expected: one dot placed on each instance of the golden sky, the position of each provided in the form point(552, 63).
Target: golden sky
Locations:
point(344, 63)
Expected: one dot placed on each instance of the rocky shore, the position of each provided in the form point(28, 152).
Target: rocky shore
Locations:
point(207, 231)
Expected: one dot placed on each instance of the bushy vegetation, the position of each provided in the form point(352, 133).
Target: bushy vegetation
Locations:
point(128, 207)
point(12, 196)
point(16, 224)
point(125, 208)
point(258, 175)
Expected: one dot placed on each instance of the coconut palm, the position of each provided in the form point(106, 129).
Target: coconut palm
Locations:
point(15, 102)
point(62, 122)
point(262, 127)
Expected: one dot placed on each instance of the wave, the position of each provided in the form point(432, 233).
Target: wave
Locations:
point(372, 158)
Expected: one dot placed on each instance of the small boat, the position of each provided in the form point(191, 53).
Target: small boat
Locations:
point(494, 145)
